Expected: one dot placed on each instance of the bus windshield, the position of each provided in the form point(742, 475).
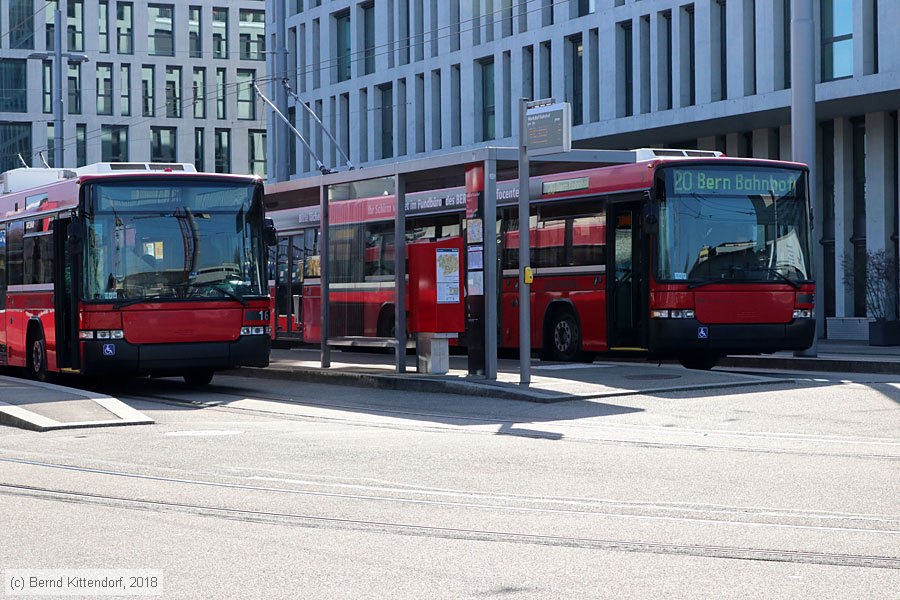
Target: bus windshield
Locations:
point(733, 224)
point(173, 240)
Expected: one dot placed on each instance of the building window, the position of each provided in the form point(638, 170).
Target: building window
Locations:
point(163, 144)
point(488, 102)
point(125, 90)
point(386, 93)
point(160, 40)
point(369, 37)
point(124, 27)
point(246, 99)
point(666, 23)
point(51, 144)
point(576, 89)
point(104, 89)
point(692, 55)
point(584, 7)
point(114, 143)
point(21, 24)
point(15, 139)
point(103, 27)
point(342, 27)
point(75, 89)
point(49, 26)
point(195, 32)
point(148, 85)
point(223, 150)
point(626, 77)
point(75, 8)
point(786, 24)
point(220, 32)
point(837, 39)
point(80, 145)
point(173, 92)
point(220, 93)
point(47, 71)
point(723, 49)
point(252, 34)
point(198, 86)
point(199, 149)
point(256, 144)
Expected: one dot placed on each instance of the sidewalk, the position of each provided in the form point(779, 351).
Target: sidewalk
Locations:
point(832, 356)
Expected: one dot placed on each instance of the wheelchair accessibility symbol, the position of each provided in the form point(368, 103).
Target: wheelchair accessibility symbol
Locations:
point(703, 333)
point(109, 349)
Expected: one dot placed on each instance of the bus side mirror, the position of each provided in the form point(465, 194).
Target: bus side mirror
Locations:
point(74, 235)
point(651, 217)
point(271, 236)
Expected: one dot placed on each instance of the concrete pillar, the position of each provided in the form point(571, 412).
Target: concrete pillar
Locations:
point(733, 144)
point(657, 48)
point(881, 198)
point(706, 59)
point(706, 143)
point(843, 214)
point(768, 21)
point(609, 84)
point(765, 143)
point(786, 139)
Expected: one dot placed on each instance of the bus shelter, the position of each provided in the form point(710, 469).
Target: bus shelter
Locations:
point(478, 171)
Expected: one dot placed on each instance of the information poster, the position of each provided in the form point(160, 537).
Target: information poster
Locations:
point(474, 231)
point(476, 257)
point(447, 275)
point(476, 283)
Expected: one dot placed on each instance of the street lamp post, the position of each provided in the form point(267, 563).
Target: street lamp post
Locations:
point(58, 96)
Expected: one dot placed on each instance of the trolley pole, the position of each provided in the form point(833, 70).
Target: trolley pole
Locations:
point(803, 118)
point(524, 251)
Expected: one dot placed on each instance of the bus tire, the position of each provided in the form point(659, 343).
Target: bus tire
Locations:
point(563, 340)
point(198, 378)
point(701, 361)
point(37, 357)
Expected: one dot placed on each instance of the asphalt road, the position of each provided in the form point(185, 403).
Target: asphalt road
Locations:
point(272, 489)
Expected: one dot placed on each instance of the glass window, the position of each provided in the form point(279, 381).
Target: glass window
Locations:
point(199, 149)
point(342, 23)
point(114, 143)
point(103, 26)
point(51, 144)
point(163, 144)
point(49, 26)
point(220, 32)
point(198, 86)
point(38, 259)
point(13, 86)
point(195, 32)
point(488, 113)
point(75, 9)
point(148, 85)
point(15, 139)
point(80, 144)
point(125, 90)
point(21, 24)
point(223, 151)
point(387, 121)
point(75, 88)
point(837, 39)
point(576, 47)
point(15, 268)
point(252, 34)
point(124, 27)
point(257, 152)
point(47, 70)
point(160, 40)
point(104, 89)
point(246, 98)
point(369, 37)
point(220, 93)
point(173, 92)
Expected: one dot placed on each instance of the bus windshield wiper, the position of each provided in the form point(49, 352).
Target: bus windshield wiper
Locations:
point(782, 276)
point(124, 303)
point(709, 281)
point(227, 292)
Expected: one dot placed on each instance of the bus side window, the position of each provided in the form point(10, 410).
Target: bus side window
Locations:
point(14, 260)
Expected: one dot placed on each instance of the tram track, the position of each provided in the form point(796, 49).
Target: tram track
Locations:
point(222, 406)
point(484, 535)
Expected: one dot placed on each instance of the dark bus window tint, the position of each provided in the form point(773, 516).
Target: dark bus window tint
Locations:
point(509, 248)
point(346, 245)
point(588, 245)
point(38, 259)
point(312, 265)
point(282, 267)
point(378, 254)
point(14, 248)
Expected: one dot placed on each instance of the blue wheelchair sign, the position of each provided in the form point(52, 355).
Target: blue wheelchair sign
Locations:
point(109, 349)
point(703, 333)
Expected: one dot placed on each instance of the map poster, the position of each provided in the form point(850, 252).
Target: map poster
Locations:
point(447, 275)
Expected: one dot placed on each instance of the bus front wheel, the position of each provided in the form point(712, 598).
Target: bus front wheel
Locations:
point(702, 361)
point(37, 361)
point(564, 341)
point(198, 378)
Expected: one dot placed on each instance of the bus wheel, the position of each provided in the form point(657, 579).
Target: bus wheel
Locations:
point(702, 361)
point(37, 363)
point(198, 378)
point(564, 337)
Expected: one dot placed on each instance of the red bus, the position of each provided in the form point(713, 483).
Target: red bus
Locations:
point(689, 255)
point(133, 268)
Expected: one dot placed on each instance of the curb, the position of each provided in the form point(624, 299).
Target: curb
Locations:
point(832, 365)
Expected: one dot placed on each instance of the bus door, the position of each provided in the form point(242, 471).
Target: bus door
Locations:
point(66, 292)
point(289, 286)
point(626, 269)
point(3, 351)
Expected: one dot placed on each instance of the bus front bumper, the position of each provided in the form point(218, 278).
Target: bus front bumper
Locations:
point(118, 356)
point(675, 336)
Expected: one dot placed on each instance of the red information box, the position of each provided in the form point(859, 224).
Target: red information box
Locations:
point(436, 286)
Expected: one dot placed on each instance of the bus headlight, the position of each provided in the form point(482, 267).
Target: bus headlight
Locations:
point(804, 313)
point(675, 313)
point(256, 330)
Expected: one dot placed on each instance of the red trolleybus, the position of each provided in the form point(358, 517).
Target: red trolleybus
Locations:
point(132, 268)
point(682, 254)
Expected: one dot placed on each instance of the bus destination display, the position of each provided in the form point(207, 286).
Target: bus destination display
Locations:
point(728, 182)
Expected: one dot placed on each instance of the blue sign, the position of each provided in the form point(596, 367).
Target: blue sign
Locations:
point(109, 349)
point(703, 333)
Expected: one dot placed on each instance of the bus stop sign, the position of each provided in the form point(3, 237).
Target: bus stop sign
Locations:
point(548, 129)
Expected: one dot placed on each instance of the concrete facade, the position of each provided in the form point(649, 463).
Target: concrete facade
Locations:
point(429, 76)
point(160, 38)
